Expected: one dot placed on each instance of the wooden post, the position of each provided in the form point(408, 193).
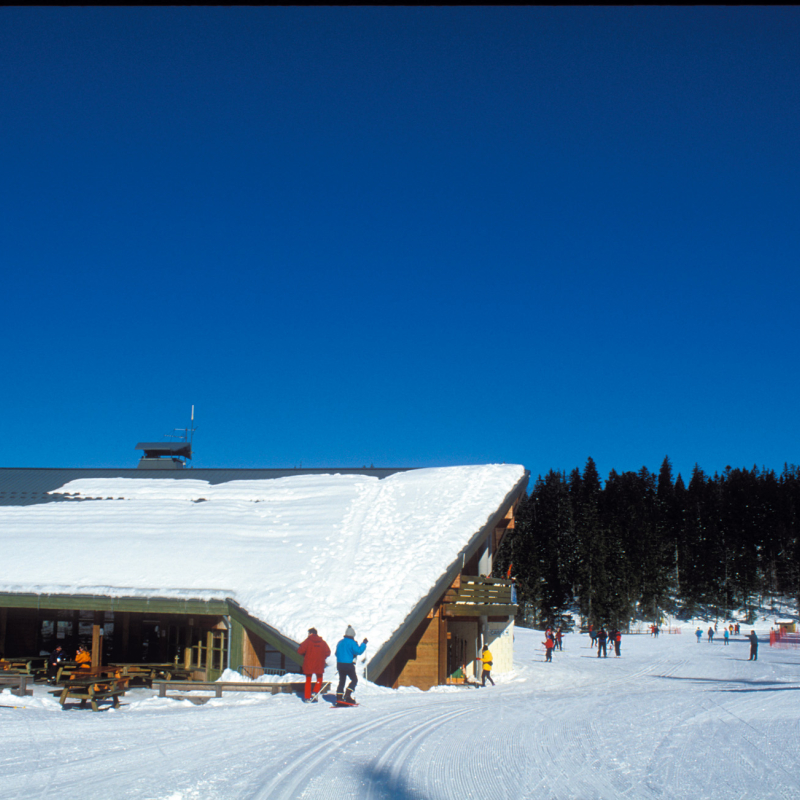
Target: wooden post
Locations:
point(3, 618)
point(97, 647)
point(442, 648)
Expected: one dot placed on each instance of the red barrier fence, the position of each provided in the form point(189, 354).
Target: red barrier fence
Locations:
point(780, 639)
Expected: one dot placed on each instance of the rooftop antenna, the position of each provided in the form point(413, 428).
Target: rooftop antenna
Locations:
point(184, 434)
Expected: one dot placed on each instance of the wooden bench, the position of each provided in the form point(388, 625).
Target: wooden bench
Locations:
point(218, 687)
point(93, 689)
point(19, 682)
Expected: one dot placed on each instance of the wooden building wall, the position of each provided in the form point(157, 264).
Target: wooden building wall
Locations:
point(422, 661)
point(252, 649)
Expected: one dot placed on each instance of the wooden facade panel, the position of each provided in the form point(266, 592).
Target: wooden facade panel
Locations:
point(252, 649)
point(418, 662)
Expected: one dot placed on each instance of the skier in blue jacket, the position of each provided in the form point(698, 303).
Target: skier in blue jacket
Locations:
point(346, 653)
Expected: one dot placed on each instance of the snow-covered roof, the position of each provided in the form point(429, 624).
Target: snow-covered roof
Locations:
point(324, 550)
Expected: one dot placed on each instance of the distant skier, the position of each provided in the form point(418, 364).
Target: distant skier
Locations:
point(346, 653)
point(559, 637)
point(727, 636)
point(617, 643)
point(602, 638)
point(549, 646)
point(314, 651)
point(486, 660)
point(592, 634)
point(753, 646)
point(699, 634)
point(710, 635)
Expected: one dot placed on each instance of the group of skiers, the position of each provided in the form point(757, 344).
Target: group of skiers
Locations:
point(315, 651)
point(727, 633)
point(603, 638)
point(552, 641)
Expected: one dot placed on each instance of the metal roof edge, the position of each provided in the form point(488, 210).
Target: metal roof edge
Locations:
point(23, 486)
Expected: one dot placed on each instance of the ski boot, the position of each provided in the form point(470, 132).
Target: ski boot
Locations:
point(348, 696)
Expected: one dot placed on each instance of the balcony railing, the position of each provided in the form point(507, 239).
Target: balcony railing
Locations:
point(478, 597)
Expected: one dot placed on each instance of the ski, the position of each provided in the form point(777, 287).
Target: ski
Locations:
point(342, 704)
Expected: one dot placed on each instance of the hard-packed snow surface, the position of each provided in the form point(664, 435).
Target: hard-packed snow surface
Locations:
point(671, 719)
point(309, 550)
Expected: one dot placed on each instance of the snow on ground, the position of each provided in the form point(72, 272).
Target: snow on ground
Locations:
point(308, 550)
point(671, 718)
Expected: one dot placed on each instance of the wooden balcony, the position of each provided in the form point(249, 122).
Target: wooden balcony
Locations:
point(473, 596)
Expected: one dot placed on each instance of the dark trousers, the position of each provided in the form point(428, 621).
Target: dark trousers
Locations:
point(346, 671)
point(753, 653)
point(487, 675)
point(601, 645)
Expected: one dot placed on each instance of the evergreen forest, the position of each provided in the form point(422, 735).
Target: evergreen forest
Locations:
point(644, 545)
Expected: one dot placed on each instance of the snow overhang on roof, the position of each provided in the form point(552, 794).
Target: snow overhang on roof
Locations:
point(327, 550)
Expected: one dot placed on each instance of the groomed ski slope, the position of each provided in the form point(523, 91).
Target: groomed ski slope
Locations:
point(670, 719)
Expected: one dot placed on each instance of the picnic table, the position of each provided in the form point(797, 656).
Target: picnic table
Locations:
point(150, 672)
point(28, 665)
point(66, 670)
point(94, 687)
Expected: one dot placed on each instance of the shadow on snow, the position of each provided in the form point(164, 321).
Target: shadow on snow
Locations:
point(773, 686)
point(386, 786)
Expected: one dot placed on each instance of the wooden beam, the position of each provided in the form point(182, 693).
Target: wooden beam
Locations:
point(466, 610)
point(442, 676)
point(97, 647)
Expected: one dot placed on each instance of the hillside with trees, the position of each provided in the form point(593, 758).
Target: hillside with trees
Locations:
point(644, 544)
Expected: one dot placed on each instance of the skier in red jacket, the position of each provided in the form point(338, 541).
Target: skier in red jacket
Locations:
point(314, 651)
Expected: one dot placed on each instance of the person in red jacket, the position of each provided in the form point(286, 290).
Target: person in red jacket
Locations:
point(314, 651)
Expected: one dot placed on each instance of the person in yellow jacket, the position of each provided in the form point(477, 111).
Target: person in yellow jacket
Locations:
point(486, 659)
point(83, 658)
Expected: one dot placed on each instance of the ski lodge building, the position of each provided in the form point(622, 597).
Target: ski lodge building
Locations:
point(214, 569)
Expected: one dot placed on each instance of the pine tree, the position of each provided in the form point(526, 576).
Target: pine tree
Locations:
point(591, 579)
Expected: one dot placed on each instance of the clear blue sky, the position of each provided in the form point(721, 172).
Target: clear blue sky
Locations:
point(401, 236)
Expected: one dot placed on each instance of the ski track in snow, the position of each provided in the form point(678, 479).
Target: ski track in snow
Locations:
point(670, 719)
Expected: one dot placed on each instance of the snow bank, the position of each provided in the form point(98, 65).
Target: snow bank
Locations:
point(308, 550)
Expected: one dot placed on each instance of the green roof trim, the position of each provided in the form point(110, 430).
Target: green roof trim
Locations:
point(95, 602)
